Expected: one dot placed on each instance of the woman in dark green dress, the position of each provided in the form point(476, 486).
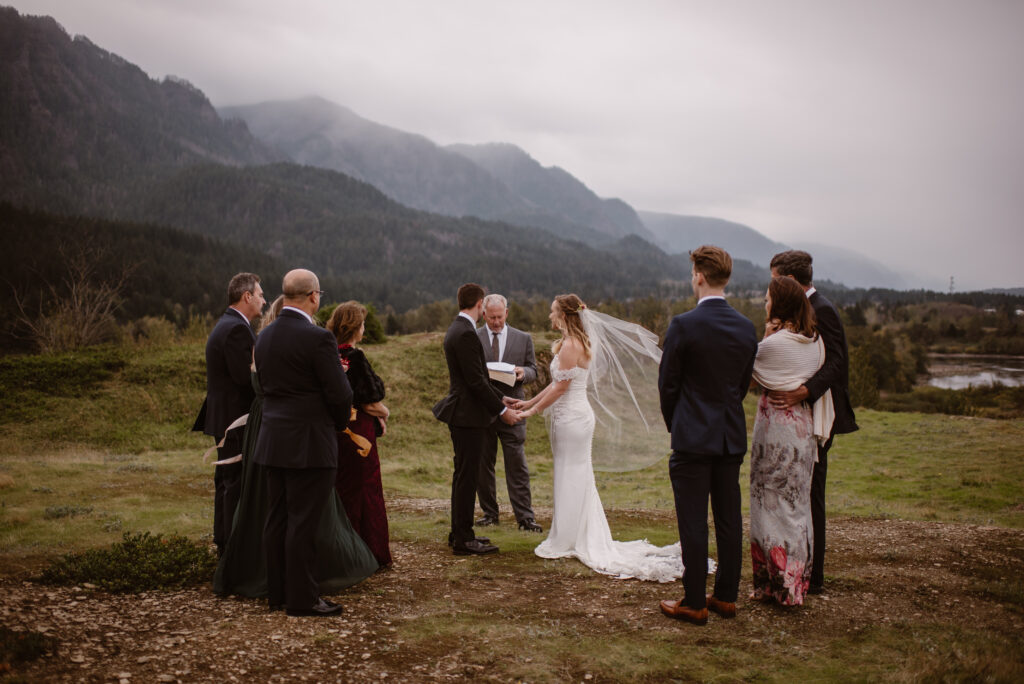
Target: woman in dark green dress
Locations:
point(342, 557)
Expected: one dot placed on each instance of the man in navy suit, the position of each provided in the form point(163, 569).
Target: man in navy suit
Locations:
point(834, 375)
point(306, 399)
point(705, 373)
point(229, 393)
point(469, 408)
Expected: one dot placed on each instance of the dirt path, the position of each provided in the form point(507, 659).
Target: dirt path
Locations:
point(880, 571)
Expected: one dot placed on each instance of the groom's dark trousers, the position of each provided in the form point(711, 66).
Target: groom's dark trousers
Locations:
point(705, 372)
point(695, 478)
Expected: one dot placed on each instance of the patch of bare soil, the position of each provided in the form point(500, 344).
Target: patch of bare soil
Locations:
point(879, 570)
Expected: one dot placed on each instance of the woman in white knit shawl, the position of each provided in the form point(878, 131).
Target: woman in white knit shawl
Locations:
point(784, 448)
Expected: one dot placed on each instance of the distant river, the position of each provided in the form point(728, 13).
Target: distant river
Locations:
point(959, 371)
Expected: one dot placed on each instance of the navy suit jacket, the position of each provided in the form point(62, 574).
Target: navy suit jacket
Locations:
point(471, 400)
point(306, 396)
point(228, 382)
point(835, 373)
point(705, 372)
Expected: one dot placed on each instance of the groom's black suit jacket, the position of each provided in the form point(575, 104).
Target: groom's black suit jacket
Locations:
point(306, 395)
point(471, 401)
point(228, 384)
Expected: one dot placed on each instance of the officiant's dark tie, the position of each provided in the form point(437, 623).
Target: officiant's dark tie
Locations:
point(494, 347)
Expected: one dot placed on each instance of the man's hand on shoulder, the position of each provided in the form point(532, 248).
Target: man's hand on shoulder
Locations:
point(783, 400)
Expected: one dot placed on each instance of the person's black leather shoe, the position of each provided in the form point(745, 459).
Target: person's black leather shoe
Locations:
point(483, 540)
point(486, 521)
point(530, 525)
point(321, 609)
point(816, 589)
point(473, 548)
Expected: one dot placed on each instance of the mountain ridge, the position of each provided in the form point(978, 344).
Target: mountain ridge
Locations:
point(408, 167)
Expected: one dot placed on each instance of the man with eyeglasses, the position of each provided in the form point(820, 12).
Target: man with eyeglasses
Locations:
point(307, 398)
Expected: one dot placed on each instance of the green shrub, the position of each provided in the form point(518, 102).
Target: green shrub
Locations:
point(70, 374)
point(57, 512)
point(21, 647)
point(139, 562)
point(374, 333)
point(982, 401)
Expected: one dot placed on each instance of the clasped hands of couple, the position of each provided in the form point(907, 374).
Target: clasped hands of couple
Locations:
point(518, 409)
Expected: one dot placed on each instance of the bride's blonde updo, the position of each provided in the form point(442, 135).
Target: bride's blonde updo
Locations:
point(570, 305)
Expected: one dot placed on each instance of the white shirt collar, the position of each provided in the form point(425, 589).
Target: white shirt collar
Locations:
point(292, 308)
point(467, 317)
point(710, 297)
point(810, 291)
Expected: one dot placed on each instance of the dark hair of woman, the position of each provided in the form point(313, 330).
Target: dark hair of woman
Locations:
point(790, 307)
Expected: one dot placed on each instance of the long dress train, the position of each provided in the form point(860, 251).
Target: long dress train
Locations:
point(342, 558)
point(579, 528)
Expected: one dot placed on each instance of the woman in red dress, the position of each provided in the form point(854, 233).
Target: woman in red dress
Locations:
point(358, 481)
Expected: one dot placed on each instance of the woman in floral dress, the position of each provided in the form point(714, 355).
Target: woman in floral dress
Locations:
point(785, 447)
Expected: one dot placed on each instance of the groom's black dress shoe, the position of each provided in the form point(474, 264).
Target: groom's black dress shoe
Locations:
point(473, 548)
point(485, 521)
point(530, 525)
point(816, 589)
point(321, 609)
point(482, 540)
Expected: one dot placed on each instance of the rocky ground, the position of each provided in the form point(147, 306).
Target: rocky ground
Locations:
point(885, 570)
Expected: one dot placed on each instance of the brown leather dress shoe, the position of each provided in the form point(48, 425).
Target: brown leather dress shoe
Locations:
point(724, 609)
point(676, 610)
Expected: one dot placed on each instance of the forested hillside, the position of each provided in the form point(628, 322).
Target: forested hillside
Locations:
point(81, 128)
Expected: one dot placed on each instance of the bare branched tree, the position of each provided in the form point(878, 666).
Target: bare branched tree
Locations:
point(78, 311)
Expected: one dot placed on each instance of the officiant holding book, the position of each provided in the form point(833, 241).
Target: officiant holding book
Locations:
point(504, 344)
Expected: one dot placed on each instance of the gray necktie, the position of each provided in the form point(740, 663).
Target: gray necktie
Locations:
point(494, 347)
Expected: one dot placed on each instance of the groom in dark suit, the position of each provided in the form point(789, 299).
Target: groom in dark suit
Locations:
point(306, 399)
point(833, 375)
point(470, 406)
point(504, 343)
point(705, 372)
point(229, 393)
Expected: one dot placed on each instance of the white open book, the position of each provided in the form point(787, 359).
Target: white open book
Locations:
point(502, 372)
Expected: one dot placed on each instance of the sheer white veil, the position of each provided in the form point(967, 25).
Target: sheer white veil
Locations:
point(629, 433)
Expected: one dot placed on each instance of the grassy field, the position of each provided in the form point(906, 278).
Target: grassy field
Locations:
point(94, 445)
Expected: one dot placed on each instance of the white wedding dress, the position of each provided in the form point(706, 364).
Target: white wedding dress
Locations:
point(579, 528)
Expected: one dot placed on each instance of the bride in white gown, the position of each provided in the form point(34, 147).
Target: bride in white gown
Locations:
point(579, 527)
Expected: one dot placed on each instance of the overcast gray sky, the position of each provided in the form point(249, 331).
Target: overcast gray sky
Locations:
point(890, 127)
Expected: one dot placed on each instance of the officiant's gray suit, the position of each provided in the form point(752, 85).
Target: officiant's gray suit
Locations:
point(518, 352)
